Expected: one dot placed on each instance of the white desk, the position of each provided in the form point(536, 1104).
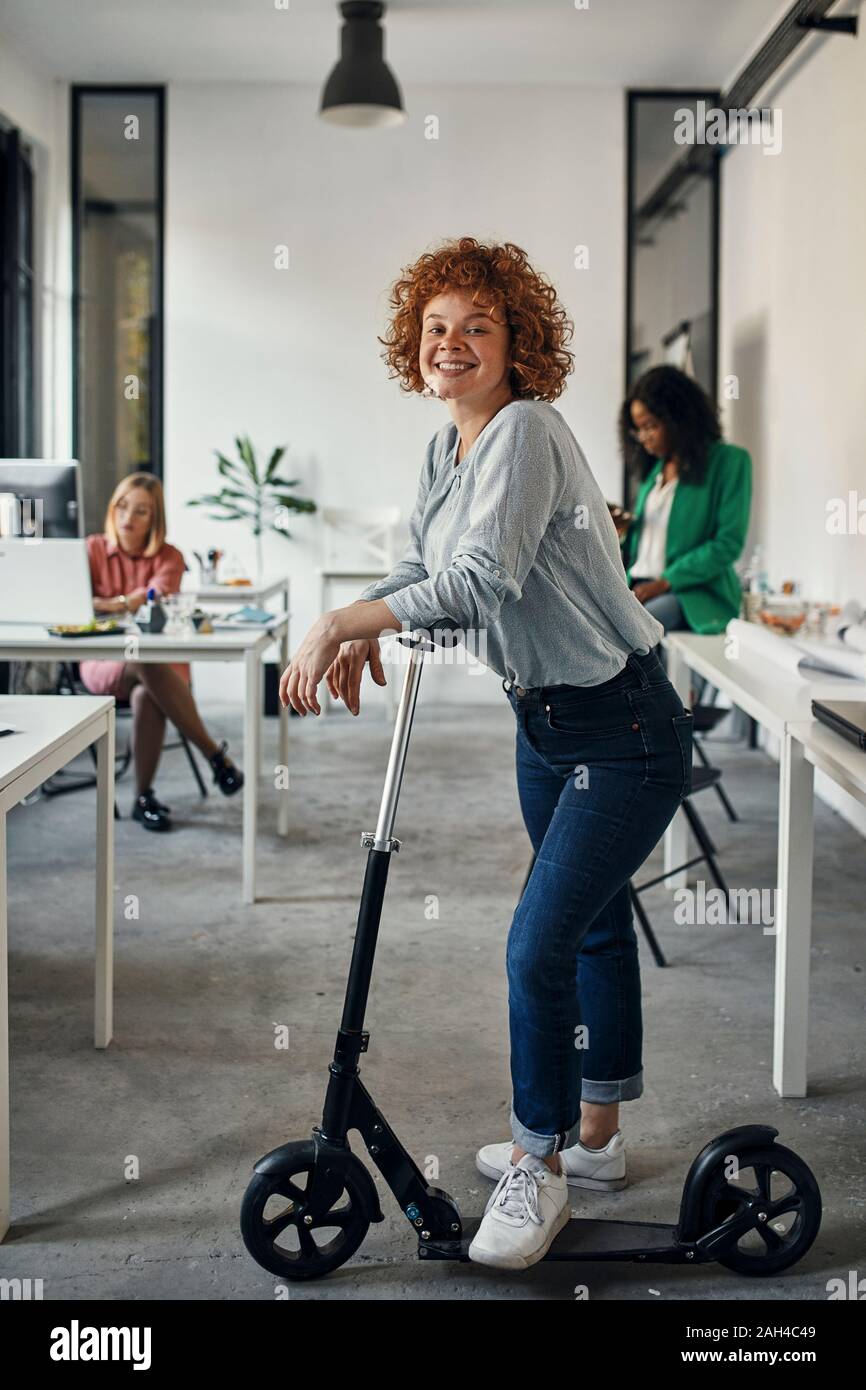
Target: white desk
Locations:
point(778, 700)
point(240, 594)
point(23, 643)
point(54, 730)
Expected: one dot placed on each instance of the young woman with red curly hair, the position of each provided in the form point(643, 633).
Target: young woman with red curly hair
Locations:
point(511, 536)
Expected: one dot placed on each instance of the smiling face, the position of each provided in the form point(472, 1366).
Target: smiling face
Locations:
point(649, 430)
point(464, 353)
point(133, 518)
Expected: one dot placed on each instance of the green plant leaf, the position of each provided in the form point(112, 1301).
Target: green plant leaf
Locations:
point(284, 482)
point(237, 492)
point(230, 470)
point(295, 504)
point(272, 463)
point(208, 499)
point(247, 453)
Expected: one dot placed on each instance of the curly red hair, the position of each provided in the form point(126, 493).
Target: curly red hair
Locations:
point(498, 277)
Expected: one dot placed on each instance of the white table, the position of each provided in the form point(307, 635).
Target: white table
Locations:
point(54, 730)
point(20, 642)
point(777, 700)
point(240, 594)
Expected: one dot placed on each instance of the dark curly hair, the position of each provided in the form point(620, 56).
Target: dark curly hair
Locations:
point(690, 418)
point(498, 277)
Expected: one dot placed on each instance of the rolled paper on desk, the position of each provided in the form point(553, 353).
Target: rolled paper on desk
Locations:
point(802, 656)
point(831, 657)
point(767, 645)
point(855, 637)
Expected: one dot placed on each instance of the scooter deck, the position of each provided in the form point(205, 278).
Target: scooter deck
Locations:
point(587, 1239)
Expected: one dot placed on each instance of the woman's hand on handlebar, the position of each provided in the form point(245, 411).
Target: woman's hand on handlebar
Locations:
point(343, 676)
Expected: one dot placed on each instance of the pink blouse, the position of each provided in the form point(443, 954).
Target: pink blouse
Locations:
point(113, 572)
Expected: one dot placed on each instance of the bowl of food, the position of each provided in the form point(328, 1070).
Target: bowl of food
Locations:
point(784, 613)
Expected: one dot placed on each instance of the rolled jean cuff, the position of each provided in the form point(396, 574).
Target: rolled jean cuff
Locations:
point(608, 1092)
point(543, 1145)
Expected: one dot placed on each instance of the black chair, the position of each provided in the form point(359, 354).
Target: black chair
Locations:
point(702, 777)
point(69, 682)
point(706, 717)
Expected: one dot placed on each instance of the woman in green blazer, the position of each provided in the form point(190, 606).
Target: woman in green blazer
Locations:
point(692, 509)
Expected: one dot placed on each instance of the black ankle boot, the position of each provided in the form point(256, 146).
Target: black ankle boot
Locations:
point(228, 778)
point(152, 814)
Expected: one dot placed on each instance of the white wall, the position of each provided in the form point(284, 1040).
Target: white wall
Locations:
point(291, 355)
point(38, 105)
point(793, 311)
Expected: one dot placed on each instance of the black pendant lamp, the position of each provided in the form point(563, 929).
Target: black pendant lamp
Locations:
point(362, 90)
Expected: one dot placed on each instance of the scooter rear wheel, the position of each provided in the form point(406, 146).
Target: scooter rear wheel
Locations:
point(792, 1201)
point(306, 1221)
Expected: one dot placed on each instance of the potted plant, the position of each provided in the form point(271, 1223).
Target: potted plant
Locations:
point(261, 498)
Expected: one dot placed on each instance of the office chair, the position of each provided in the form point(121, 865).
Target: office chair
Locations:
point(69, 682)
point(702, 777)
point(706, 716)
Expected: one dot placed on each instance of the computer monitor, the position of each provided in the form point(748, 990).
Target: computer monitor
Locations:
point(44, 581)
point(41, 497)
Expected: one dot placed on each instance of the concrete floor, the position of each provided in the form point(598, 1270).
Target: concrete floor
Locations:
point(194, 1088)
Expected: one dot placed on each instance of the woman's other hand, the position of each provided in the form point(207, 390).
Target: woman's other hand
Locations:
point(312, 659)
point(344, 675)
point(651, 588)
point(108, 605)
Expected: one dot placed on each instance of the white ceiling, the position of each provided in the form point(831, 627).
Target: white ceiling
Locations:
point(620, 42)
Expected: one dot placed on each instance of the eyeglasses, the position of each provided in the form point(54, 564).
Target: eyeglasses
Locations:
point(644, 429)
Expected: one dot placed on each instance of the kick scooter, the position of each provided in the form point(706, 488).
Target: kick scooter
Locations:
point(748, 1203)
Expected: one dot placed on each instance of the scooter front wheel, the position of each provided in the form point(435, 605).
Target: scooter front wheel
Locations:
point(791, 1201)
point(306, 1221)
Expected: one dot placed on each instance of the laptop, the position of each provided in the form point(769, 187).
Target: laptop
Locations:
point(845, 717)
point(44, 581)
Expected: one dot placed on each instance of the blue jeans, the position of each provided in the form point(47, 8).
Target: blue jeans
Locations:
point(601, 770)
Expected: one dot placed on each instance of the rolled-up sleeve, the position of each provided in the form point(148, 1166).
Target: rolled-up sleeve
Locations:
point(519, 484)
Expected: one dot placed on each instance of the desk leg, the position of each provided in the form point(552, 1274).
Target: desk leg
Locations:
point(5, 1204)
point(793, 919)
point(252, 726)
point(676, 838)
point(283, 751)
point(104, 982)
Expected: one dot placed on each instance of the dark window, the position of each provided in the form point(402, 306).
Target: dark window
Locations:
point(117, 203)
point(673, 237)
point(17, 396)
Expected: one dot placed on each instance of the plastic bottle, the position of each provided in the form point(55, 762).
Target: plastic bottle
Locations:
point(153, 617)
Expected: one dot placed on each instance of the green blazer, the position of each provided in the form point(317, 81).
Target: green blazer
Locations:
point(706, 534)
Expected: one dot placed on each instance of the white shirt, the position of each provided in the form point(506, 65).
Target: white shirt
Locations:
point(650, 558)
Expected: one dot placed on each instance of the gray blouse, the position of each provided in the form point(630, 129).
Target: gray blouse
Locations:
point(513, 552)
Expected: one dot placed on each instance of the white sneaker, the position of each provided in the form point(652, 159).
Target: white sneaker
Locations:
point(523, 1217)
point(601, 1169)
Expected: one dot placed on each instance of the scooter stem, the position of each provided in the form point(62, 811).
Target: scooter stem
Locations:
point(381, 843)
point(418, 642)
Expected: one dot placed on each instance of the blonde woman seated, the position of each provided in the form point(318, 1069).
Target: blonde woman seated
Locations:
point(131, 556)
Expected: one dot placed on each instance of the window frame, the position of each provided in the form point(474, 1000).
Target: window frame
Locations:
point(685, 94)
point(78, 92)
point(19, 429)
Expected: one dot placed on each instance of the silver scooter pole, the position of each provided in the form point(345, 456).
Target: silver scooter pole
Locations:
point(418, 642)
